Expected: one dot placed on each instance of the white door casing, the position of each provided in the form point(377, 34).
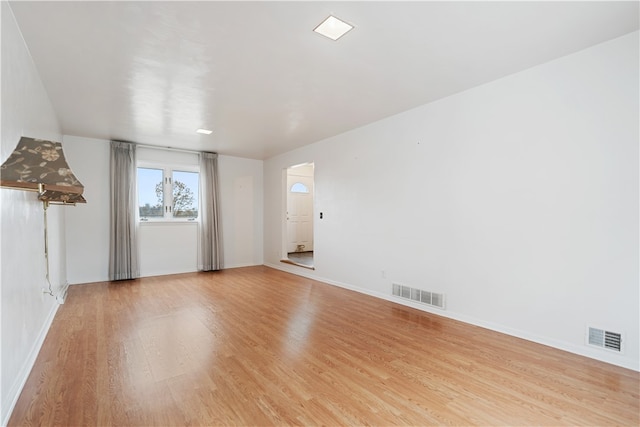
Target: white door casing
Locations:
point(299, 213)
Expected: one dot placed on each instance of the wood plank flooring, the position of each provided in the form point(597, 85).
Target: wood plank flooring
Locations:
point(257, 346)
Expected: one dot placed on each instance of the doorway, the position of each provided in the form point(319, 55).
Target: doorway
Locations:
point(298, 236)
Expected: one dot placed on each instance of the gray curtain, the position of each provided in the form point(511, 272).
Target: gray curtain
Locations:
point(210, 241)
point(123, 255)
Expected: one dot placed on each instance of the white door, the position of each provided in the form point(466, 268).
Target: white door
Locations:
point(299, 213)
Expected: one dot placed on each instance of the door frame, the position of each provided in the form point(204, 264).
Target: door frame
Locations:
point(284, 254)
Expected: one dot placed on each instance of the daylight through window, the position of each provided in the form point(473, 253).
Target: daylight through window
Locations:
point(299, 187)
point(167, 194)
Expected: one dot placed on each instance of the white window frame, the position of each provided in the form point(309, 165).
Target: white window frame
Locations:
point(167, 177)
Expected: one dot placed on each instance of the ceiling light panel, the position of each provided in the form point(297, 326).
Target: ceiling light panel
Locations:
point(204, 131)
point(333, 28)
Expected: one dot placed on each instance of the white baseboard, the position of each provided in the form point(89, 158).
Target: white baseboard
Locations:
point(9, 401)
point(240, 265)
point(592, 353)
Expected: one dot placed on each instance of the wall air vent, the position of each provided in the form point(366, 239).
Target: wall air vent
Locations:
point(418, 295)
point(604, 339)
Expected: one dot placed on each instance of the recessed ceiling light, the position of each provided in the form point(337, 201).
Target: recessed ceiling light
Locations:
point(333, 28)
point(205, 131)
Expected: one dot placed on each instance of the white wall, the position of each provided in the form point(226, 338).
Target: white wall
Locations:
point(168, 248)
point(88, 224)
point(164, 248)
point(518, 199)
point(26, 312)
point(241, 210)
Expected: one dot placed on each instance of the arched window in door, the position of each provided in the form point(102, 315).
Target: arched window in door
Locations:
point(299, 187)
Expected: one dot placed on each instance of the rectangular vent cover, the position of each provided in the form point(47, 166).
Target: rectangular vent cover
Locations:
point(605, 339)
point(424, 297)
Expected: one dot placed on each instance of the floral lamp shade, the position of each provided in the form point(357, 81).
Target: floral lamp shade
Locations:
point(39, 165)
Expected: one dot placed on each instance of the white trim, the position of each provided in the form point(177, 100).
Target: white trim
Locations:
point(181, 150)
point(240, 265)
point(180, 222)
point(23, 375)
point(586, 351)
point(167, 166)
point(168, 273)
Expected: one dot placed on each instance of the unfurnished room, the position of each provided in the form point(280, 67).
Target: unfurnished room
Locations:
point(255, 213)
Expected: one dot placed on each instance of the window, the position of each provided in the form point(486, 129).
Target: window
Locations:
point(165, 193)
point(150, 193)
point(185, 194)
point(299, 187)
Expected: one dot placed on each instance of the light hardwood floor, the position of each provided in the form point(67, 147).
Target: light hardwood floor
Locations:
point(257, 346)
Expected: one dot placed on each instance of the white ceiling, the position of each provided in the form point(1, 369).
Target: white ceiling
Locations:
point(257, 74)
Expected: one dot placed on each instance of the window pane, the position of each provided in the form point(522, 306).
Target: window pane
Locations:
point(299, 187)
point(185, 194)
point(150, 192)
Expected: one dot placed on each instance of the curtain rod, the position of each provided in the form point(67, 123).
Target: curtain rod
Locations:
point(157, 147)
